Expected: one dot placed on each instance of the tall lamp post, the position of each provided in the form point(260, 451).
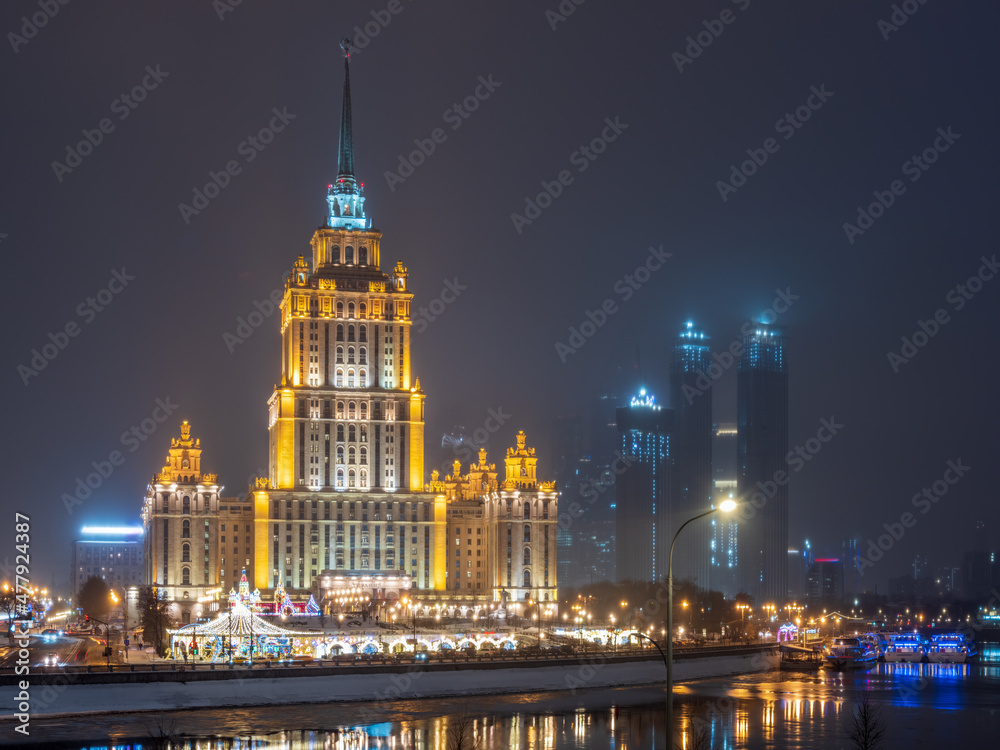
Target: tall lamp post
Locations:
point(726, 506)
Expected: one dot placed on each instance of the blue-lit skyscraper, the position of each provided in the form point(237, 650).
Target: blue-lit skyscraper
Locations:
point(692, 406)
point(643, 490)
point(762, 443)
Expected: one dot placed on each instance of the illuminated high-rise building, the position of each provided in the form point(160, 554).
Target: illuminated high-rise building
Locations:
point(643, 490)
point(693, 450)
point(762, 444)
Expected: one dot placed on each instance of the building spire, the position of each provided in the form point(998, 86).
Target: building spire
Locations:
point(345, 160)
point(345, 197)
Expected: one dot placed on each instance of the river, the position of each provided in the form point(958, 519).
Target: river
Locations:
point(931, 706)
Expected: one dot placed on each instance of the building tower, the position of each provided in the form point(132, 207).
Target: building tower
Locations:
point(643, 490)
point(693, 431)
point(762, 443)
point(346, 423)
point(180, 518)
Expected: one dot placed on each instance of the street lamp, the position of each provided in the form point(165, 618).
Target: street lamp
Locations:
point(726, 506)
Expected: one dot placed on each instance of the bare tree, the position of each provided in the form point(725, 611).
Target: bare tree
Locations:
point(867, 727)
point(462, 732)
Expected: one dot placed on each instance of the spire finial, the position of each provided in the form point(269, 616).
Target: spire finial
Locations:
point(345, 160)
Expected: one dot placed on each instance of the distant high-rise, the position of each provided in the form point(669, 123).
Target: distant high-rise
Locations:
point(762, 443)
point(693, 432)
point(643, 490)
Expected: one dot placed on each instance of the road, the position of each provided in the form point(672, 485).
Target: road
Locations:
point(66, 650)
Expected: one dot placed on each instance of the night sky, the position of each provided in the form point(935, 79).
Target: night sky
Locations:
point(211, 83)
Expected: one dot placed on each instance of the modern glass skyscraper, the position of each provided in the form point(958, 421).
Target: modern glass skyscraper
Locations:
point(762, 443)
point(643, 490)
point(693, 450)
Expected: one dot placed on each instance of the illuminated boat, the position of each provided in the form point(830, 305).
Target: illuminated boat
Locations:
point(906, 647)
point(849, 653)
point(951, 648)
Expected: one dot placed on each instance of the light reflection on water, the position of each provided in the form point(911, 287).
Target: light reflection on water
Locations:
point(773, 709)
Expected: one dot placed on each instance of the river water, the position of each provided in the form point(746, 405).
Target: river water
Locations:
point(923, 706)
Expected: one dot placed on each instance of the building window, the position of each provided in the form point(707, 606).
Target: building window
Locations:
point(186, 529)
point(185, 576)
point(527, 579)
point(527, 556)
point(186, 553)
point(527, 533)
point(186, 505)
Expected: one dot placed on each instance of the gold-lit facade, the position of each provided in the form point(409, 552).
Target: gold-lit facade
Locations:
point(345, 492)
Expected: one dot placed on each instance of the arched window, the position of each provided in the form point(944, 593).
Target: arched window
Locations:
point(364, 434)
point(185, 576)
point(364, 479)
point(186, 553)
point(351, 455)
point(186, 529)
point(350, 478)
point(527, 579)
point(362, 330)
point(340, 433)
point(363, 378)
point(340, 410)
point(186, 505)
point(527, 532)
point(527, 510)
point(350, 433)
point(340, 378)
point(362, 256)
point(340, 454)
point(340, 313)
point(350, 310)
point(350, 355)
point(527, 556)
point(340, 477)
point(362, 312)
point(350, 378)
point(364, 456)
point(350, 333)
point(363, 355)
point(335, 253)
point(350, 409)
point(349, 255)
point(340, 329)
point(340, 355)
point(364, 410)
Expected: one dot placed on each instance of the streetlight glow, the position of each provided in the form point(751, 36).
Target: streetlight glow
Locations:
point(727, 506)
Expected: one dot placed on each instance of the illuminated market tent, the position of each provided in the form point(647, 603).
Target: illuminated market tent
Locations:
point(233, 631)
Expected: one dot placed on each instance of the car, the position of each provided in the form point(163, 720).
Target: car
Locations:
point(50, 633)
point(51, 660)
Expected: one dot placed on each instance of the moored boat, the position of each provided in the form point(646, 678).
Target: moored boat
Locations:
point(951, 648)
point(849, 653)
point(906, 647)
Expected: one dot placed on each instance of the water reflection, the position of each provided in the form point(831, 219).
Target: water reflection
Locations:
point(922, 703)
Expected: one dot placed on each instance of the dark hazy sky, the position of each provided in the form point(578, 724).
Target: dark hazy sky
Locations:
point(63, 233)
